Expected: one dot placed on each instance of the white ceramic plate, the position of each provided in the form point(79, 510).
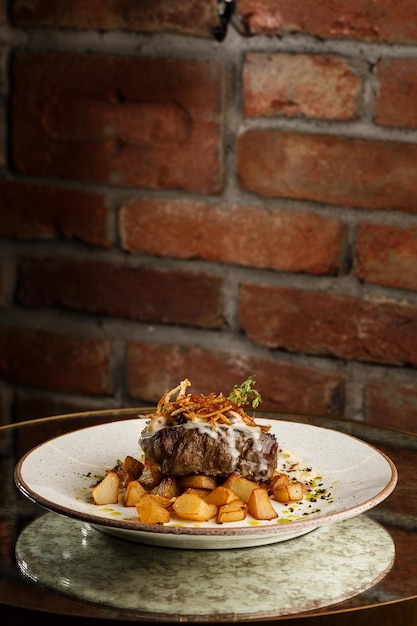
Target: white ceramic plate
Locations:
point(347, 476)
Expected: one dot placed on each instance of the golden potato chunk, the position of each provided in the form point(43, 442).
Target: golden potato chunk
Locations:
point(199, 492)
point(292, 492)
point(162, 500)
point(132, 466)
point(150, 511)
point(191, 506)
point(134, 491)
point(107, 490)
point(199, 481)
point(168, 487)
point(242, 487)
point(232, 512)
point(221, 495)
point(151, 475)
point(277, 480)
point(259, 505)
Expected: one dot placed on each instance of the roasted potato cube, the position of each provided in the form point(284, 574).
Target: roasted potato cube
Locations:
point(292, 492)
point(232, 512)
point(132, 466)
point(151, 475)
point(107, 490)
point(259, 505)
point(221, 495)
point(150, 511)
point(199, 481)
point(168, 487)
point(199, 492)
point(134, 491)
point(192, 507)
point(234, 505)
point(129, 469)
point(277, 480)
point(242, 487)
point(296, 491)
point(162, 500)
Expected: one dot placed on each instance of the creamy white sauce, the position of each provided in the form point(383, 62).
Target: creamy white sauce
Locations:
point(227, 432)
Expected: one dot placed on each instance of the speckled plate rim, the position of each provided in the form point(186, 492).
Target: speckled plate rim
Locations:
point(53, 475)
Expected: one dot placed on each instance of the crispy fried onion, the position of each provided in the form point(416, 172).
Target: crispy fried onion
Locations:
point(190, 407)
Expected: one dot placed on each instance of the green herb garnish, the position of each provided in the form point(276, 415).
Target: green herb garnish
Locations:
point(244, 394)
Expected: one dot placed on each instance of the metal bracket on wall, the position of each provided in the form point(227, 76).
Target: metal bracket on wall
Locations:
point(225, 10)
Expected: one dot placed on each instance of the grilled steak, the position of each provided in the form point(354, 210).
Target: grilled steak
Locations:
point(182, 450)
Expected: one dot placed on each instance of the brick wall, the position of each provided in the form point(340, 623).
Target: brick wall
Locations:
point(176, 206)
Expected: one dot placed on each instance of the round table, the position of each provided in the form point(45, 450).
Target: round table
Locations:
point(30, 547)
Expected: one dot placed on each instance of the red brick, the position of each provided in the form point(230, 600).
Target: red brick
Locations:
point(336, 170)
point(373, 330)
point(392, 404)
point(395, 102)
point(142, 294)
point(2, 135)
point(151, 123)
point(387, 255)
point(2, 284)
point(55, 361)
point(197, 17)
point(391, 21)
point(153, 369)
point(3, 64)
point(320, 85)
point(243, 235)
point(31, 211)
